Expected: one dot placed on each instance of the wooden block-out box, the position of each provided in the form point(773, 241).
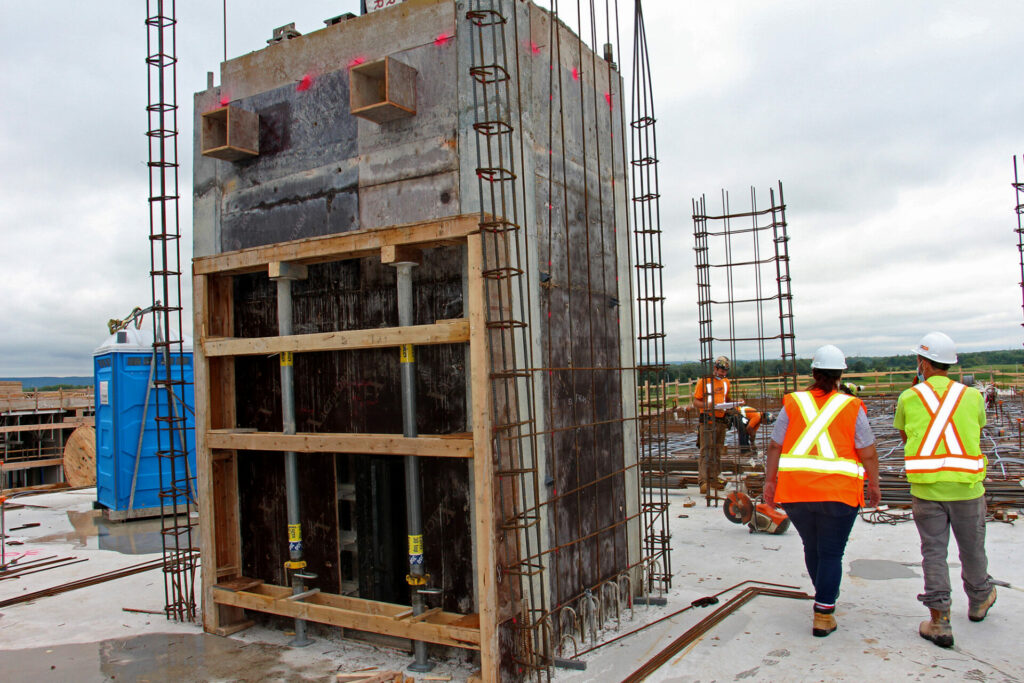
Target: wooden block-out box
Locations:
point(382, 90)
point(230, 133)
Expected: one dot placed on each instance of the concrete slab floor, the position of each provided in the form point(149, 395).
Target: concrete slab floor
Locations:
point(85, 635)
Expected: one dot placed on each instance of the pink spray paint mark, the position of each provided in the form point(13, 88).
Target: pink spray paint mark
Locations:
point(305, 84)
point(575, 74)
point(608, 99)
point(534, 48)
point(442, 39)
point(356, 61)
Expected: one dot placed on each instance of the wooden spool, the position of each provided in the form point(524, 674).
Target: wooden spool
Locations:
point(80, 457)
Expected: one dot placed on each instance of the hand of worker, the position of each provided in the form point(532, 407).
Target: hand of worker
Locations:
point(874, 496)
point(769, 492)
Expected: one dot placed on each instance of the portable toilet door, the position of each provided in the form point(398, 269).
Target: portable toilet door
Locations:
point(128, 469)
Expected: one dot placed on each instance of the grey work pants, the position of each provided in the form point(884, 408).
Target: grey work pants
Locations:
point(712, 446)
point(966, 518)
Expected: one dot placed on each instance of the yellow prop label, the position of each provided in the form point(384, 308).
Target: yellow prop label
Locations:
point(286, 359)
point(416, 545)
point(294, 533)
point(406, 353)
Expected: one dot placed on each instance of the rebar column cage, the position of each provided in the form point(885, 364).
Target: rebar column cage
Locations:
point(737, 254)
point(177, 485)
point(513, 438)
point(1018, 186)
point(565, 547)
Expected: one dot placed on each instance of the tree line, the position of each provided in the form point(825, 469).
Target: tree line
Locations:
point(751, 368)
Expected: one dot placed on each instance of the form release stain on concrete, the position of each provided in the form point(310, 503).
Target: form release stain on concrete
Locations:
point(157, 657)
point(880, 570)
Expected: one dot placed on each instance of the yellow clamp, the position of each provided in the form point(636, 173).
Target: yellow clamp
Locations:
point(295, 564)
point(417, 580)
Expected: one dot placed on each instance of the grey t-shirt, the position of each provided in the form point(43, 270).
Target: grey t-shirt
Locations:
point(862, 438)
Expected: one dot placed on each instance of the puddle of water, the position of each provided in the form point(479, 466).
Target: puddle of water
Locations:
point(159, 657)
point(92, 530)
point(880, 570)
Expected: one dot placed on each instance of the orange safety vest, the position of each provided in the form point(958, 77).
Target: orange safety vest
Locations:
point(819, 457)
point(717, 388)
point(943, 454)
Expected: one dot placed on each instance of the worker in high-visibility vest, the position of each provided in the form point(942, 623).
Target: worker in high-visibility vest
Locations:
point(821, 448)
point(708, 396)
point(747, 420)
point(940, 421)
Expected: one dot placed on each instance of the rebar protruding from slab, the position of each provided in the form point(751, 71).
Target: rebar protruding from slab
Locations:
point(413, 493)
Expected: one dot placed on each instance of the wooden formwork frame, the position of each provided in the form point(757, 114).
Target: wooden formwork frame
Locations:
point(219, 444)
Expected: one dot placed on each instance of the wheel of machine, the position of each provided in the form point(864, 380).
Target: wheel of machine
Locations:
point(738, 508)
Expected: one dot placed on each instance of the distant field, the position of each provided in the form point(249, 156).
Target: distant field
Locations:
point(34, 383)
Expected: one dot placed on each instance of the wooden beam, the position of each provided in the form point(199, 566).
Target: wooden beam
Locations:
point(11, 466)
point(395, 253)
point(441, 332)
point(483, 465)
point(10, 429)
point(340, 246)
point(442, 445)
point(363, 615)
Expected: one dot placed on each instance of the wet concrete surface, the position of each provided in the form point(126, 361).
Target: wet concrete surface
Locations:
point(881, 570)
point(159, 657)
point(90, 529)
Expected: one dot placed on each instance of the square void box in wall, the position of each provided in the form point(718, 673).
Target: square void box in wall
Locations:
point(231, 134)
point(382, 90)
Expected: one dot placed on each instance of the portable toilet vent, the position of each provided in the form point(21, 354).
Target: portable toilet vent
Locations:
point(127, 464)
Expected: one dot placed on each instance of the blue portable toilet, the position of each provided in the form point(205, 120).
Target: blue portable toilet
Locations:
point(127, 465)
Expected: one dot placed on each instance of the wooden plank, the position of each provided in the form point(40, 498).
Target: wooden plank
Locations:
point(442, 332)
point(444, 446)
point(363, 615)
point(340, 246)
point(12, 429)
point(483, 465)
point(11, 466)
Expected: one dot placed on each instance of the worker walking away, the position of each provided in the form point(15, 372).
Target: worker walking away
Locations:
point(940, 421)
point(820, 449)
point(746, 420)
point(709, 393)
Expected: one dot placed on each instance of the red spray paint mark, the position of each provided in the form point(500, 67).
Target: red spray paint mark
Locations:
point(356, 61)
point(305, 84)
point(224, 101)
point(575, 74)
point(608, 99)
point(442, 39)
point(534, 48)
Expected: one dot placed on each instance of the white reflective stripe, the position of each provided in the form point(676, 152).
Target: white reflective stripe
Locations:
point(952, 442)
point(816, 431)
point(928, 395)
point(709, 389)
point(838, 466)
point(942, 419)
point(936, 464)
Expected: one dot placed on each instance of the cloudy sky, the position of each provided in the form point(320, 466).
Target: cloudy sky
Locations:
point(892, 126)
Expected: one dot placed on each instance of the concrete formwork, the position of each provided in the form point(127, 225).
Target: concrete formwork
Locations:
point(320, 172)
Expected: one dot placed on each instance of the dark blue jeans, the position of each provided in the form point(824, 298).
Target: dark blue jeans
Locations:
point(824, 528)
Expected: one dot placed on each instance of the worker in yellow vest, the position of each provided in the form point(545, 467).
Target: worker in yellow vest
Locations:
point(821, 448)
point(708, 397)
point(940, 421)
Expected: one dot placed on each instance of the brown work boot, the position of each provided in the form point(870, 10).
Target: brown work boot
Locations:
point(824, 624)
point(937, 629)
point(978, 612)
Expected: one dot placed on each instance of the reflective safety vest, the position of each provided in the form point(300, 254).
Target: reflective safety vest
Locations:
point(819, 455)
point(943, 436)
point(717, 389)
point(752, 416)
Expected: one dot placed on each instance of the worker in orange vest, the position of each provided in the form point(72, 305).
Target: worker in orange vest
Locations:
point(940, 421)
point(821, 448)
point(709, 393)
point(747, 420)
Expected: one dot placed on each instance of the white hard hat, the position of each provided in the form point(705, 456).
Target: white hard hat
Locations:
point(828, 357)
point(938, 347)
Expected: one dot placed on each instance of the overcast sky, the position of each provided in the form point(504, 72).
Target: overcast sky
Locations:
point(892, 126)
